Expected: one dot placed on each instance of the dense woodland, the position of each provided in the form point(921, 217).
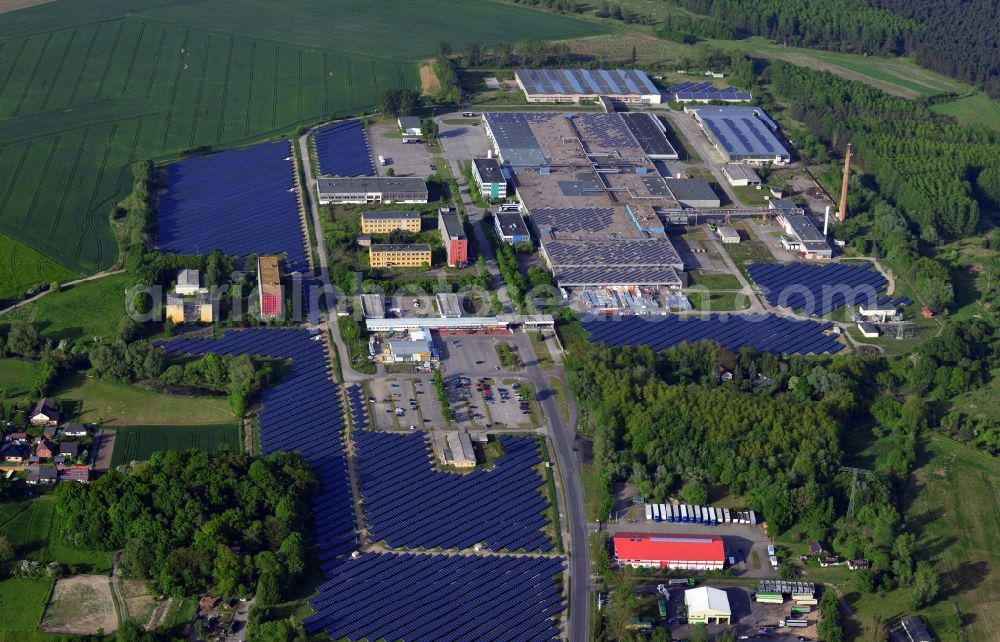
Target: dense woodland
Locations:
point(777, 434)
point(193, 522)
point(958, 39)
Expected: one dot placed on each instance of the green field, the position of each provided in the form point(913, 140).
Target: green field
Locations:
point(83, 311)
point(17, 377)
point(87, 88)
point(22, 602)
point(32, 526)
point(94, 401)
point(137, 443)
point(21, 268)
point(977, 109)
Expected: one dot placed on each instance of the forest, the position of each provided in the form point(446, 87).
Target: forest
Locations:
point(954, 38)
point(191, 522)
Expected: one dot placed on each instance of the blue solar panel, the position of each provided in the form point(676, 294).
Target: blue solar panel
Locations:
point(817, 290)
point(422, 597)
point(763, 332)
point(405, 498)
point(241, 201)
point(342, 150)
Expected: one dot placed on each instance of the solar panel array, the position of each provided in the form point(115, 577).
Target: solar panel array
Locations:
point(356, 403)
point(573, 220)
point(817, 289)
point(651, 138)
point(742, 131)
point(241, 201)
point(620, 82)
point(409, 505)
point(705, 91)
point(381, 596)
point(342, 150)
point(302, 412)
point(763, 332)
point(606, 132)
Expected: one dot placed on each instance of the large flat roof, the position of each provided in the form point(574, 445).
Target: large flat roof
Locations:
point(804, 227)
point(610, 276)
point(489, 170)
point(586, 82)
point(452, 225)
point(336, 185)
point(653, 252)
point(514, 138)
point(650, 134)
point(691, 189)
point(741, 131)
point(390, 216)
point(511, 223)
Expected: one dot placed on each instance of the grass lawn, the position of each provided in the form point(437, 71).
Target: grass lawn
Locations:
point(22, 267)
point(17, 376)
point(719, 301)
point(94, 401)
point(91, 309)
point(541, 350)
point(975, 109)
point(746, 252)
point(137, 443)
point(22, 601)
point(33, 527)
point(713, 281)
point(750, 196)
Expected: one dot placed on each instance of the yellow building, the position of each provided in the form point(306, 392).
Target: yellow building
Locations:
point(382, 255)
point(196, 309)
point(385, 222)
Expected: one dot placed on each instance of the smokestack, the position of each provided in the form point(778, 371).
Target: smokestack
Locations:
point(826, 220)
point(489, 153)
point(842, 214)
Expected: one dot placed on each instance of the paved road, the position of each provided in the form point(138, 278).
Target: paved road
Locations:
point(309, 201)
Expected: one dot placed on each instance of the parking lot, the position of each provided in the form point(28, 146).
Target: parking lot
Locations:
point(384, 392)
point(698, 251)
point(500, 403)
point(462, 139)
point(405, 159)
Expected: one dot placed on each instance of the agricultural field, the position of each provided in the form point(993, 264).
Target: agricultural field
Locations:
point(87, 88)
point(137, 443)
point(81, 604)
point(975, 109)
point(83, 311)
point(88, 400)
point(22, 268)
point(17, 377)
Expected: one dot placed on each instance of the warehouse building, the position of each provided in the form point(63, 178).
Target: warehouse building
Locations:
point(801, 235)
point(511, 228)
point(373, 306)
point(272, 302)
point(388, 255)
point(455, 448)
point(409, 126)
point(705, 92)
point(371, 190)
point(490, 178)
point(742, 134)
point(728, 234)
point(707, 605)
point(651, 134)
point(740, 175)
point(573, 85)
point(693, 192)
point(456, 245)
point(685, 552)
point(385, 222)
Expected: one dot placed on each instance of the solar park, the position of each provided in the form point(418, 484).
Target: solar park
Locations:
point(762, 332)
point(240, 201)
point(342, 150)
point(386, 596)
point(302, 413)
point(816, 289)
point(409, 505)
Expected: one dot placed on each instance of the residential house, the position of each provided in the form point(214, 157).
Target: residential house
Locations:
point(45, 413)
point(75, 473)
point(69, 449)
point(856, 565)
point(45, 449)
point(15, 453)
point(19, 438)
point(75, 430)
point(42, 475)
point(815, 548)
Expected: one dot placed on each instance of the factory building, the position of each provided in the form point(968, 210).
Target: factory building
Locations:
point(372, 190)
point(742, 134)
point(573, 85)
point(491, 179)
point(649, 550)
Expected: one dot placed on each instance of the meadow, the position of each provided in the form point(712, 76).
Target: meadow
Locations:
point(22, 267)
point(83, 311)
point(33, 527)
point(89, 400)
point(87, 88)
point(17, 377)
point(137, 443)
point(22, 601)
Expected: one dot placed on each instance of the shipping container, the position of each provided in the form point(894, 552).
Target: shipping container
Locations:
point(795, 624)
point(769, 597)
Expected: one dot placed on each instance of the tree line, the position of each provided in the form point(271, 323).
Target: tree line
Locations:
point(193, 522)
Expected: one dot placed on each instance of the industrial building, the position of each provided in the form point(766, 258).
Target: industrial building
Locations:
point(456, 245)
point(491, 178)
point(707, 605)
point(801, 235)
point(500, 322)
point(455, 448)
point(388, 255)
point(685, 552)
point(868, 330)
point(372, 190)
point(417, 349)
point(727, 234)
point(511, 228)
point(705, 92)
point(409, 126)
point(740, 175)
point(877, 312)
point(269, 289)
point(385, 222)
point(448, 305)
point(189, 302)
point(742, 134)
point(693, 192)
point(651, 135)
point(373, 306)
point(630, 86)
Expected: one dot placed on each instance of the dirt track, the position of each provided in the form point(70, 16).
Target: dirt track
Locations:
point(6, 6)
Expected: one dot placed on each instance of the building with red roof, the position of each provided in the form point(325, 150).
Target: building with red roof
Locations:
point(272, 301)
point(655, 550)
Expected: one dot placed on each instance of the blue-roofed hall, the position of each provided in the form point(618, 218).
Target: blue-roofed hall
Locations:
point(573, 85)
point(742, 134)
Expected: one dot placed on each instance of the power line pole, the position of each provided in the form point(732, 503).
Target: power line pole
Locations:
point(854, 485)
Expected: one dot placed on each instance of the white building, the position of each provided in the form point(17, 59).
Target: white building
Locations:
point(707, 605)
point(188, 282)
point(409, 126)
point(490, 178)
point(728, 234)
point(740, 175)
point(878, 312)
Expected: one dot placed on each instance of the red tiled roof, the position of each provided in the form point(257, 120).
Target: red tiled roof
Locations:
point(663, 547)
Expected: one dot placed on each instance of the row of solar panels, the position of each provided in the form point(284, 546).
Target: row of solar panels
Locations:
point(586, 81)
point(342, 150)
point(302, 412)
point(356, 403)
point(763, 332)
point(409, 505)
point(815, 289)
point(240, 201)
point(424, 597)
